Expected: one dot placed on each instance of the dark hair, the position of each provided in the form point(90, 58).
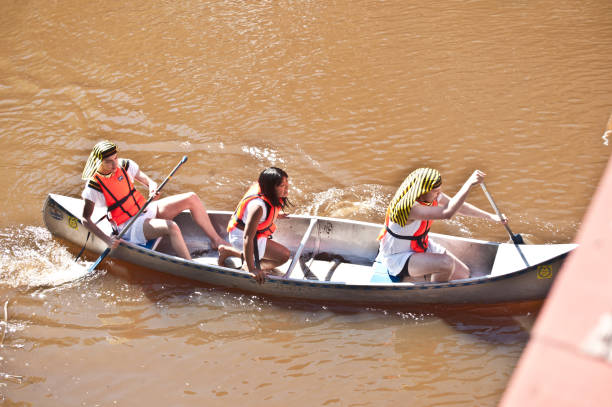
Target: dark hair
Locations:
point(268, 180)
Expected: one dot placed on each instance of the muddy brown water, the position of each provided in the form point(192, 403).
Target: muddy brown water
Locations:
point(348, 97)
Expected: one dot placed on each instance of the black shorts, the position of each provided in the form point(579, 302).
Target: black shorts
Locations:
point(404, 272)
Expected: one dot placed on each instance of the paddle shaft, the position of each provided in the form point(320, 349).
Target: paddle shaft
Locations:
point(133, 218)
point(518, 239)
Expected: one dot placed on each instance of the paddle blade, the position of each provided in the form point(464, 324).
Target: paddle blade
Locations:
point(102, 256)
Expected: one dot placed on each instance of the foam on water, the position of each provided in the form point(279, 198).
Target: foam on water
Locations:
point(30, 258)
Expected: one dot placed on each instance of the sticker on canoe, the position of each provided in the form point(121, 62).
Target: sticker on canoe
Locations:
point(544, 271)
point(73, 223)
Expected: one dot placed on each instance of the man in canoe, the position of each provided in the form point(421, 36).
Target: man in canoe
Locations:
point(110, 184)
point(405, 247)
point(251, 226)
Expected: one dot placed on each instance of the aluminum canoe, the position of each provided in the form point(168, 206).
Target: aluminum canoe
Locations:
point(332, 261)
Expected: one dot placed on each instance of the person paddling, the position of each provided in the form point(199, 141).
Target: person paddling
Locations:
point(252, 225)
point(405, 247)
point(110, 184)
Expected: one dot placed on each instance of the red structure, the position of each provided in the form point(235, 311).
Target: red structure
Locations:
point(568, 360)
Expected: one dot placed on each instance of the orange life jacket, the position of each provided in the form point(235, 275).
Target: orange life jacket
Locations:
point(420, 239)
point(265, 228)
point(122, 199)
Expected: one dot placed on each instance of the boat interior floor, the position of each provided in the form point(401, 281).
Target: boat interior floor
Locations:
point(308, 267)
point(320, 266)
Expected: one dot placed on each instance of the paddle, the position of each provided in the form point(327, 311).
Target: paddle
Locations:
point(131, 221)
point(517, 239)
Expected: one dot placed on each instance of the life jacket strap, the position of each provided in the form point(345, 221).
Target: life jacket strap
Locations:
point(256, 253)
point(420, 239)
point(121, 201)
point(240, 225)
point(89, 234)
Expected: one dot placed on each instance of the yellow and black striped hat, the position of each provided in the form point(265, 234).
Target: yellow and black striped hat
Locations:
point(100, 151)
point(419, 182)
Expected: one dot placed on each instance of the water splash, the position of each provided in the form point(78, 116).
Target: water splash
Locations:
point(30, 258)
point(360, 202)
point(265, 154)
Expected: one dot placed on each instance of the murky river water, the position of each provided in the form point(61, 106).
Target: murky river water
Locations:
point(348, 97)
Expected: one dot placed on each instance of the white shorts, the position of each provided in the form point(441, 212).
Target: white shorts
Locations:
point(236, 237)
point(396, 262)
point(135, 233)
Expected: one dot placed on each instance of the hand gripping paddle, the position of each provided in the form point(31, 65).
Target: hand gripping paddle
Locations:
point(517, 239)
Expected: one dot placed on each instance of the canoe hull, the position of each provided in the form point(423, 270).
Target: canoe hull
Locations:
point(61, 216)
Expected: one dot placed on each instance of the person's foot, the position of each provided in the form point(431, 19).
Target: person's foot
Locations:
point(223, 254)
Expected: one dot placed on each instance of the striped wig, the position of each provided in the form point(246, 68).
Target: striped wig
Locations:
point(100, 151)
point(419, 182)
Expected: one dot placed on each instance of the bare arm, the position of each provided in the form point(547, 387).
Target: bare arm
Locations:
point(248, 243)
point(468, 209)
point(448, 206)
point(88, 209)
point(146, 180)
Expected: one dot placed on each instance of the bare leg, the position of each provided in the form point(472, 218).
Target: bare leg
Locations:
point(411, 279)
point(442, 267)
point(154, 228)
point(276, 255)
point(461, 269)
point(170, 207)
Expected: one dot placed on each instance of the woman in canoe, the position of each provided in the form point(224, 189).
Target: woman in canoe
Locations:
point(405, 248)
point(110, 184)
point(252, 224)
